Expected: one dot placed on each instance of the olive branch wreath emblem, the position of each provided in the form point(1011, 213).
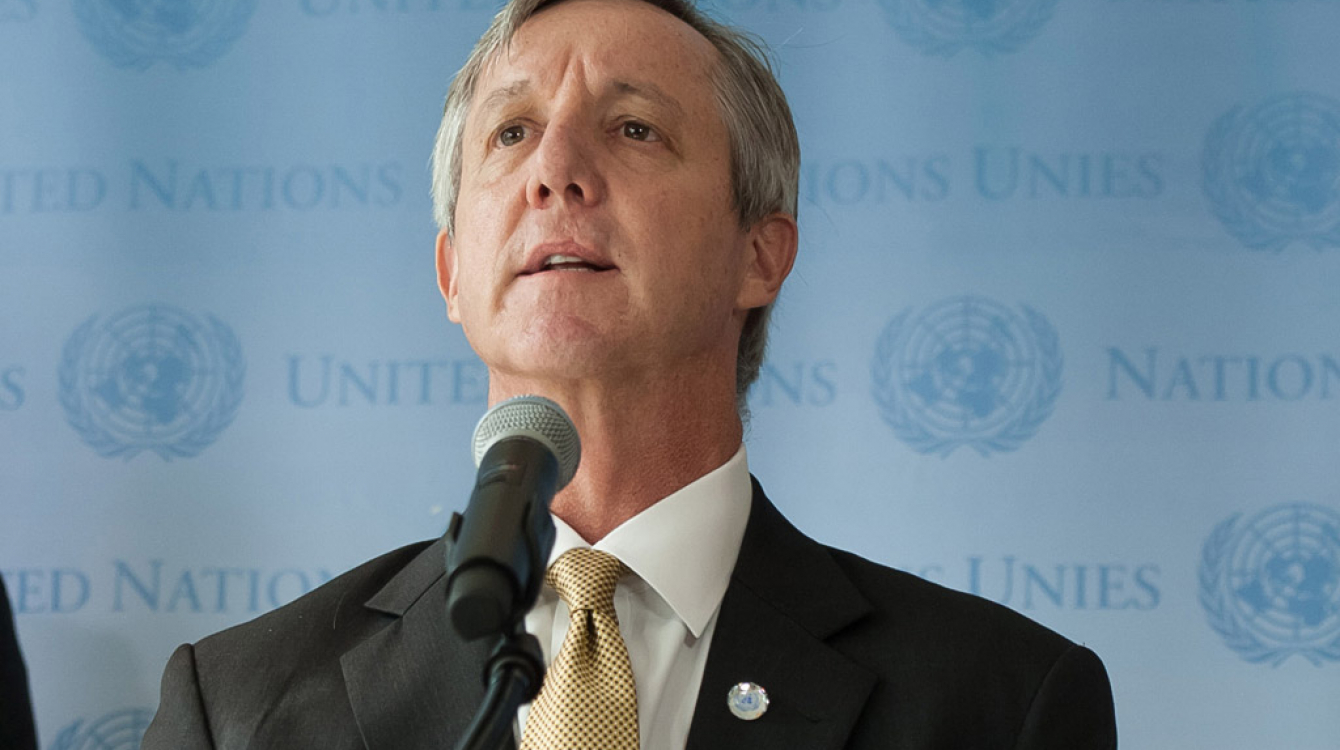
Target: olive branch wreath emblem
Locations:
point(101, 24)
point(1233, 210)
point(1215, 596)
point(907, 17)
point(201, 435)
point(897, 412)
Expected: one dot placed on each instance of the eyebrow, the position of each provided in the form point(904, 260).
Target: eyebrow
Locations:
point(499, 97)
point(650, 92)
point(504, 95)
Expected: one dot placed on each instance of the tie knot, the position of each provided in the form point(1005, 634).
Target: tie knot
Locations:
point(585, 579)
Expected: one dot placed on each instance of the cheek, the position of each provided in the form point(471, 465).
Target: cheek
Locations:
point(710, 244)
point(482, 211)
point(694, 241)
point(483, 230)
point(475, 278)
point(690, 216)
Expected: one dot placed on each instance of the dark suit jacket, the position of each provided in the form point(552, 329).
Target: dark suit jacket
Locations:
point(852, 654)
point(16, 710)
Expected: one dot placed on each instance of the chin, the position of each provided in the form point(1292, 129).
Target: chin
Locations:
point(561, 350)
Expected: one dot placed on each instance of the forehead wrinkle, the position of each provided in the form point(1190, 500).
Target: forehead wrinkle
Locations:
point(504, 95)
point(649, 91)
point(574, 49)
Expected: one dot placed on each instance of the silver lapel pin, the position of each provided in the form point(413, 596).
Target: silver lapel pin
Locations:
point(747, 701)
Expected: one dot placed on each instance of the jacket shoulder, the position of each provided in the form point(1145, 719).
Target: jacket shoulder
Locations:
point(984, 675)
point(925, 610)
point(306, 635)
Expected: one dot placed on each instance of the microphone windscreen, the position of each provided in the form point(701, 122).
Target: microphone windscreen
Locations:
point(539, 419)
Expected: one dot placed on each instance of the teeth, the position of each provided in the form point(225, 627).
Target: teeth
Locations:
point(554, 259)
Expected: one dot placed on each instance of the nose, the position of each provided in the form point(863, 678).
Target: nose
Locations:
point(565, 169)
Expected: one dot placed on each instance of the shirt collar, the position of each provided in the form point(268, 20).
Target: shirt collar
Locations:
point(685, 545)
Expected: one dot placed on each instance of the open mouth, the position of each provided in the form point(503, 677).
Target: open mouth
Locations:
point(569, 263)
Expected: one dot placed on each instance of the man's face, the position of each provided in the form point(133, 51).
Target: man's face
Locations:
point(595, 231)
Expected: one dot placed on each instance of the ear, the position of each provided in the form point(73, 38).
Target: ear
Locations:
point(446, 274)
point(771, 252)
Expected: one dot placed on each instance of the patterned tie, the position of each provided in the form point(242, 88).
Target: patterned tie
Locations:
point(588, 701)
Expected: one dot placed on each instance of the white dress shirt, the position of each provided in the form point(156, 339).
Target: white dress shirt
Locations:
point(681, 552)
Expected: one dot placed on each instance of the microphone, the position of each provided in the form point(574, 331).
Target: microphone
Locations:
point(527, 450)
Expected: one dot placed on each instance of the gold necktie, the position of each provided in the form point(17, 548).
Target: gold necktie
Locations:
point(588, 701)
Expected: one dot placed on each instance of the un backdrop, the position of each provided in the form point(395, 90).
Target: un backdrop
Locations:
point(1062, 332)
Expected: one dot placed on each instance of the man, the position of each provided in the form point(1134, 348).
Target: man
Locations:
point(616, 185)
point(16, 711)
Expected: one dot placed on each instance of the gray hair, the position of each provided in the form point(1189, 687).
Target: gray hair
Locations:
point(765, 150)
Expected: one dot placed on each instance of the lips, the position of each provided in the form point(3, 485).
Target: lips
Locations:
point(569, 263)
point(565, 257)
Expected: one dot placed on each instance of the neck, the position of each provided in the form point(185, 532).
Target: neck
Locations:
point(641, 441)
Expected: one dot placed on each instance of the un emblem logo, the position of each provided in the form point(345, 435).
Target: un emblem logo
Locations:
point(17, 10)
point(967, 371)
point(121, 730)
point(186, 33)
point(1272, 172)
point(151, 378)
point(1271, 585)
point(943, 27)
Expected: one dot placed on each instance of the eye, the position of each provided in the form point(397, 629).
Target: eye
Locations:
point(639, 131)
point(511, 135)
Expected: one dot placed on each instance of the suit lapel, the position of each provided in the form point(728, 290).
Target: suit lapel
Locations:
point(414, 683)
point(786, 596)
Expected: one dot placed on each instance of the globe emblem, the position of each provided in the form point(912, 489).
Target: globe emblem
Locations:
point(967, 371)
point(1272, 172)
point(1271, 586)
point(943, 27)
point(151, 378)
point(120, 730)
point(184, 33)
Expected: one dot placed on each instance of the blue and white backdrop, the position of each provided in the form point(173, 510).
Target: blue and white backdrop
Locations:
point(1063, 331)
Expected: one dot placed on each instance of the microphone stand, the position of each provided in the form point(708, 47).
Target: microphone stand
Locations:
point(514, 674)
point(477, 605)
